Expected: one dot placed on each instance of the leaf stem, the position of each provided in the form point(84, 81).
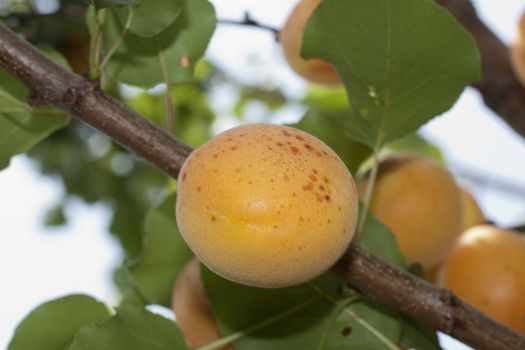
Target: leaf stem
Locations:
point(119, 40)
point(339, 308)
point(262, 324)
point(369, 190)
point(96, 43)
point(357, 318)
point(169, 98)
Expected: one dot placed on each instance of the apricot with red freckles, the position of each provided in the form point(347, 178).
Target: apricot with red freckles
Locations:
point(266, 205)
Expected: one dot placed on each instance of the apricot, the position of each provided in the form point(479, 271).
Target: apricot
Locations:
point(291, 39)
point(192, 308)
point(266, 205)
point(486, 268)
point(472, 214)
point(419, 201)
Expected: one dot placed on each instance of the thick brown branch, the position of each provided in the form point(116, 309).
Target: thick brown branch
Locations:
point(52, 84)
point(434, 306)
point(500, 88)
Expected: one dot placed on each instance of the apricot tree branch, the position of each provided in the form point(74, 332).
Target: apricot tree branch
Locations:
point(51, 83)
point(501, 90)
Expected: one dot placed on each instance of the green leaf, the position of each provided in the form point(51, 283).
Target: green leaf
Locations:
point(365, 325)
point(379, 240)
point(330, 128)
point(163, 255)
point(53, 325)
point(238, 308)
point(402, 62)
point(418, 336)
point(152, 16)
point(131, 329)
point(140, 61)
point(314, 315)
point(22, 126)
point(100, 4)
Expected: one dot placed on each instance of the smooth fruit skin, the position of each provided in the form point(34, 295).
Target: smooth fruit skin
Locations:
point(291, 39)
point(486, 268)
point(472, 214)
point(192, 308)
point(419, 201)
point(266, 205)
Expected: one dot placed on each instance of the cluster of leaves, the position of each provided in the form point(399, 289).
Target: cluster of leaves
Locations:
point(402, 63)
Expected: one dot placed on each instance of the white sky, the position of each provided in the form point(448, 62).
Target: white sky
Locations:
point(38, 265)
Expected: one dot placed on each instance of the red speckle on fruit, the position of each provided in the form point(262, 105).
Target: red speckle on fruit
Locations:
point(308, 187)
point(294, 149)
point(313, 178)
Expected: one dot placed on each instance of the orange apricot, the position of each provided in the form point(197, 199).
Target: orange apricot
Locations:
point(486, 268)
point(419, 201)
point(266, 205)
point(193, 311)
point(291, 38)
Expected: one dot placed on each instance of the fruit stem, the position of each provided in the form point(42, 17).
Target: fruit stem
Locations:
point(169, 98)
point(369, 190)
point(119, 40)
point(96, 43)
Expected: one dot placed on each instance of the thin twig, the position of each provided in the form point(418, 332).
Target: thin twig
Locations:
point(250, 22)
point(119, 40)
point(169, 98)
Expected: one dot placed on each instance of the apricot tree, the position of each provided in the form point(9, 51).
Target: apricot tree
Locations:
point(401, 63)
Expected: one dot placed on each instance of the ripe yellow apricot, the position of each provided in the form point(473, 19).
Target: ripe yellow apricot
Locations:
point(266, 205)
point(472, 214)
point(419, 201)
point(291, 39)
point(193, 310)
point(486, 268)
